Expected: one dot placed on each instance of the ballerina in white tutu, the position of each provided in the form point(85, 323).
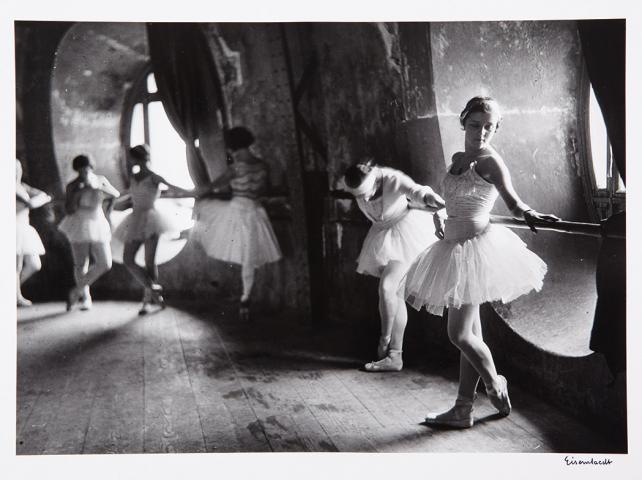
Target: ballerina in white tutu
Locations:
point(397, 235)
point(87, 228)
point(475, 262)
point(29, 247)
point(146, 223)
point(238, 231)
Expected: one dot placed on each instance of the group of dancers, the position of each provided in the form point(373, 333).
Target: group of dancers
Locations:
point(466, 262)
point(236, 231)
point(457, 260)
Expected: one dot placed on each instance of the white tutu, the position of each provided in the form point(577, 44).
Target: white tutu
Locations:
point(236, 231)
point(493, 265)
point(143, 224)
point(400, 239)
point(86, 225)
point(27, 239)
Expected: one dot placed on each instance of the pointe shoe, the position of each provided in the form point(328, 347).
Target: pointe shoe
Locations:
point(244, 310)
point(85, 301)
point(390, 363)
point(157, 295)
point(459, 416)
point(499, 397)
point(72, 298)
point(147, 299)
point(382, 347)
point(23, 302)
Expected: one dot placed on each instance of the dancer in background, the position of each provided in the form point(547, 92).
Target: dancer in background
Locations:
point(475, 262)
point(29, 247)
point(87, 228)
point(238, 231)
point(397, 235)
point(146, 223)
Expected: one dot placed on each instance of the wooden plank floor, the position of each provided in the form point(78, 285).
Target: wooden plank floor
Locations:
point(195, 379)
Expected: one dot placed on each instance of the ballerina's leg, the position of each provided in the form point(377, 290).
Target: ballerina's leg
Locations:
point(394, 317)
point(129, 260)
point(247, 278)
point(460, 331)
point(151, 245)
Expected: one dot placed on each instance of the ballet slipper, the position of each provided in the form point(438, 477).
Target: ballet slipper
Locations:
point(382, 347)
point(86, 302)
point(156, 291)
point(244, 310)
point(72, 298)
point(459, 416)
point(23, 302)
point(499, 396)
point(147, 299)
point(390, 363)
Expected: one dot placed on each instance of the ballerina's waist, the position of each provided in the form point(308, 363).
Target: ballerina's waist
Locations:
point(391, 220)
point(461, 228)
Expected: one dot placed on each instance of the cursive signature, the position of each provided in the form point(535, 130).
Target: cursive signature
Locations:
point(591, 461)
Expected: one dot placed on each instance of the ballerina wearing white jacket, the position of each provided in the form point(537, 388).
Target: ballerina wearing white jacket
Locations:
point(397, 235)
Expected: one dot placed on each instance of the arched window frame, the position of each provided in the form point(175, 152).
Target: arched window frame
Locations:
point(602, 202)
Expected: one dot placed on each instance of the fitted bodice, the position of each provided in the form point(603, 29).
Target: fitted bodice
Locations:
point(90, 199)
point(249, 179)
point(144, 193)
point(469, 199)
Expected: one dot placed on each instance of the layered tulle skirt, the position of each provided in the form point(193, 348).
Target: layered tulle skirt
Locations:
point(400, 239)
point(86, 225)
point(142, 224)
point(27, 239)
point(469, 268)
point(236, 231)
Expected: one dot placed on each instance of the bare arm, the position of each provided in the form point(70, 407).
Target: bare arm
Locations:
point(108, 189)
point(32, 197)
point(216, 184)
point(495, 171)
point(72, 195)
point(173, 191)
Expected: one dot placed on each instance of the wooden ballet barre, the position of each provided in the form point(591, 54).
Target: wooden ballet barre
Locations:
point(574, 228)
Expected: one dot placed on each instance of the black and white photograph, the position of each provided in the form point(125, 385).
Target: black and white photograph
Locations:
point(242, 235)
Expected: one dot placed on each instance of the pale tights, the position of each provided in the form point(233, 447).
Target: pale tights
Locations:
point(86, 271)
point(392, 308)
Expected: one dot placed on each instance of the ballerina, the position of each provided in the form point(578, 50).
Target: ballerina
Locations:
point(87, 228)
point(397, 235)
point(238, 231)
point(475, 262)
point(146, 223)
point(29, 247)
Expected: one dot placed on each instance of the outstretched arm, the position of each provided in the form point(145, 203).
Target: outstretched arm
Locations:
point(496, 172)
point(421, 194)
point(216, 184)
point(173, 191)
point(108, 189)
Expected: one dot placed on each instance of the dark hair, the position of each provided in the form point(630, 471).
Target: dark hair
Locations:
point(80, 162)
point(140, 153)
point(355, 174)
point(480, 104)
point(237, 138)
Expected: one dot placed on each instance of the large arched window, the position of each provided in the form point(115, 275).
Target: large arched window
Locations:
point(607, 188)
point(149, 124)
point(145, 121)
